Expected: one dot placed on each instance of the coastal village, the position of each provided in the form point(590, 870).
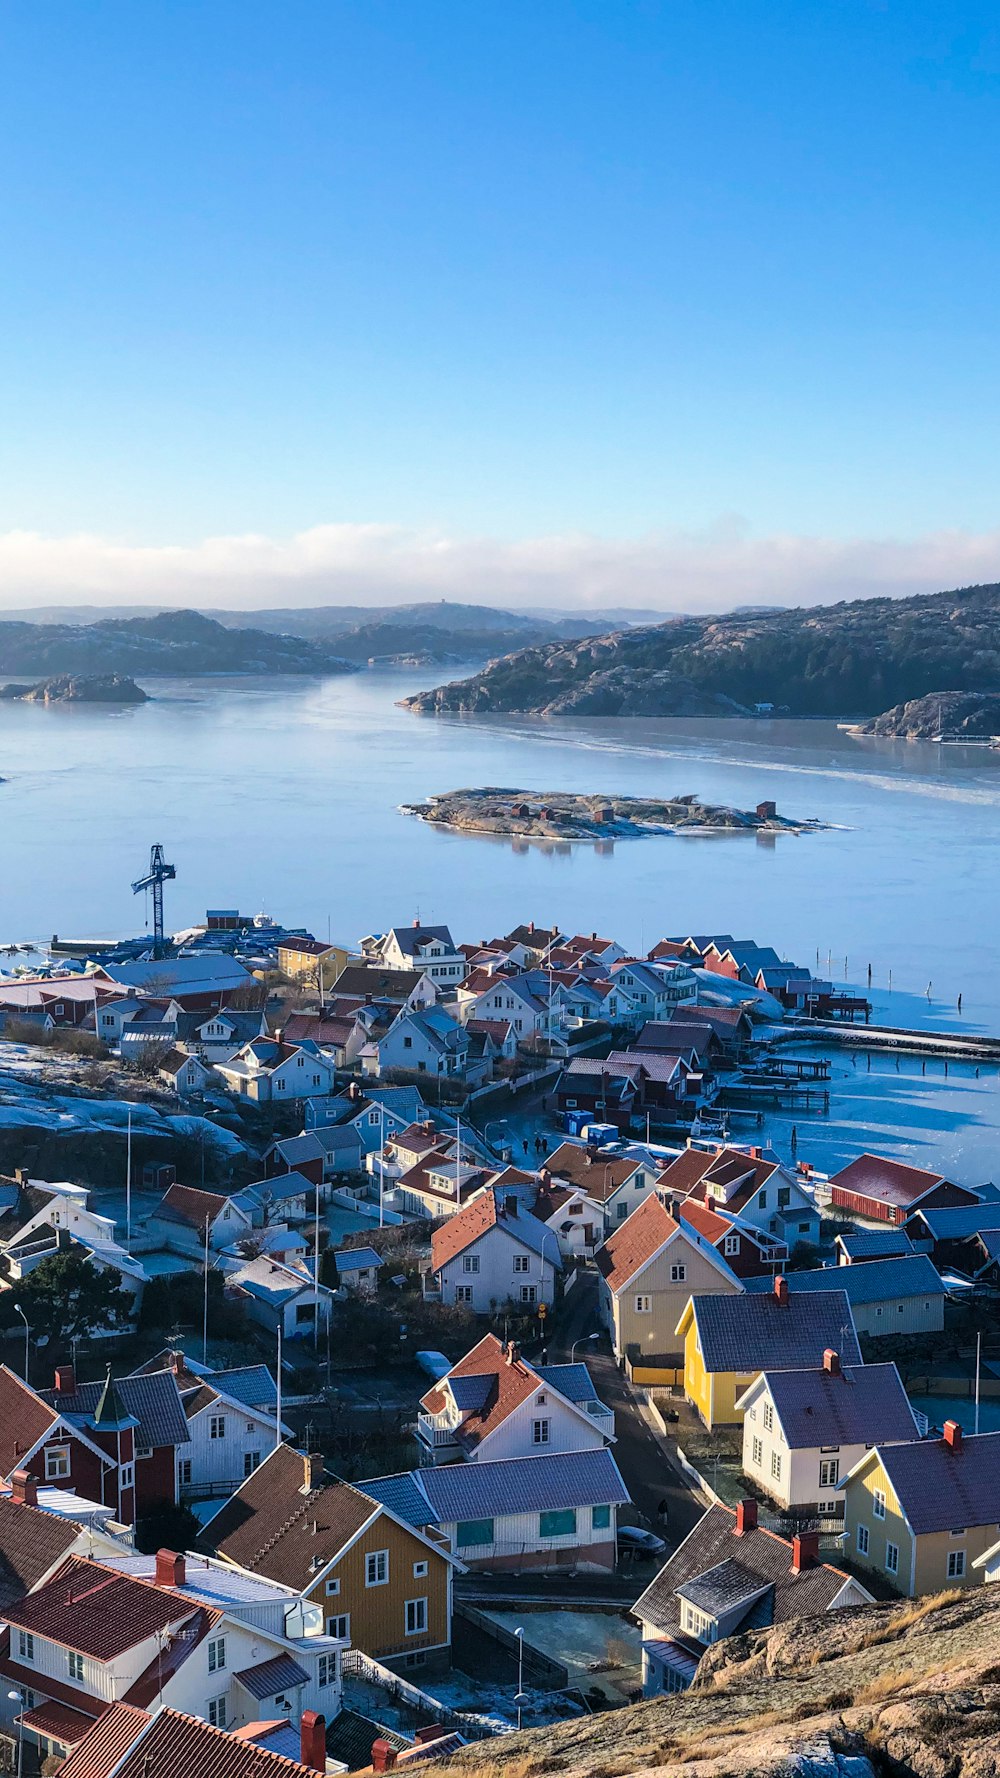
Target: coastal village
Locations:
point(409, 1340)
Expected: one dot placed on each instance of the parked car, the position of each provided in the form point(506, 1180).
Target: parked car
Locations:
point(634, 1541)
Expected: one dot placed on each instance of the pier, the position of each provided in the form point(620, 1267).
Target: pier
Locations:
point(958, 1046)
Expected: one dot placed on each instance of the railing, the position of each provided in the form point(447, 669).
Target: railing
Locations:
point(361, 1666)
point(435, 1435)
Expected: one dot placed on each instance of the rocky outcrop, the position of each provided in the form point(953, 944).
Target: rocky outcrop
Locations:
point(78, 688)
point(561, 815)
point(972, 713)
point(837, 661)
point(176, 642)
point(911, 1690)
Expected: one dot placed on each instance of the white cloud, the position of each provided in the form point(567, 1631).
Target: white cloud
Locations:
point(375, 564)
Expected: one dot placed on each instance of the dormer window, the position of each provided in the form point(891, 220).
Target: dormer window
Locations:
point(541, 1399)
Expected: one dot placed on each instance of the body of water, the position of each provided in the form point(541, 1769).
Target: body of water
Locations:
point(283, 795)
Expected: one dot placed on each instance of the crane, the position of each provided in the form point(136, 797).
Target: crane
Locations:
point(159, 872)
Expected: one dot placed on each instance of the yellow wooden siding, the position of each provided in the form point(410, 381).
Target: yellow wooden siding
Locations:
point(378, 1614)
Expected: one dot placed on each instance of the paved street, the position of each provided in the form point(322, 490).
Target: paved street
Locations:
point(649, 1473)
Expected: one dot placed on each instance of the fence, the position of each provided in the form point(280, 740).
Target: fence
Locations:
point(539, 1669)
point(361, 1666)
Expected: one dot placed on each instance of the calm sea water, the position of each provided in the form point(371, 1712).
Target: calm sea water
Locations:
point(284, 797)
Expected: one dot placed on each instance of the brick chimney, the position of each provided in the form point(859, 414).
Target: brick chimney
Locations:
point(513, 1351)
point(952, 1434)
point(65, 1379)
point(312, 1740)
point(314, 1470)
point(805, 1551)
point(171, 1569)
point(831, 1362)
point(746, 1518)
point(781, 1291)
point(24, 1487)
point(384, 1757)
point(177, 1363)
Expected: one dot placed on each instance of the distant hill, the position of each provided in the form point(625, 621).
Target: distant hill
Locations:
point(180, 642)
point(842, 660)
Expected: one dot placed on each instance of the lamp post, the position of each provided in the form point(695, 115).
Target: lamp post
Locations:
point(27, 1336)
point(520, 1697)
point(19, 1698)
point(582, 1341)
point(204, 1325)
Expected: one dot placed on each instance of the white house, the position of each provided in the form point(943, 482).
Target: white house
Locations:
point(494, 1405)
point(576, 1219)
point(493, 1252)
point(614, 1185)
point(185, 1074)
point(184, 1212)
point(231, 1421)
point(748, 1183)
point(279, 1294)
point(511, 999)
point(429, 949)
point(267, 1070)
point(426, 1040)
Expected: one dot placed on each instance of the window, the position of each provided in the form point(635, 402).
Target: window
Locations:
point(75, 1665)
point(776, 1465)
point(540, 1432)
point(25, 1645)
point(56, 1462)
point(784, 1196)
point(521, 1262)
point(217, 1654)
point(862, 1540)
point(892, 1558)
point(829, 1473)
point(419, 1570)
point(416, 1617)
point(762, 1200)
point(678, 1274)
point(561, 1523)
point(217, 1426)
point(126, 1477)
point(184, 1472)
point(333, 1586)
point(757, 1457)
point(340, 1626)
point(732, 1246)
point(643, 1305)
point(326, 1670)
point(956, 1564)
point(217, 1712)
point(472, 1533)
point(250, 1461)
point(600, 1518)
point(528, 1293)
point(878, 1504)
point(768, 1416)
point(377, 1568)
point(622, 1212)
point(471, 1262)
point(463, 1293)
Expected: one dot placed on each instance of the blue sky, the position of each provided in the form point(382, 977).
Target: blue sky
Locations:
point(711, 281)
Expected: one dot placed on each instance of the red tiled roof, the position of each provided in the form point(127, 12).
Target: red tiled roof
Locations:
point(510, 1385)
point(695, 1172)
point(61, 1722)
point(96, 1610)
point(171, 1743)
point(462, 1229)
point(890, 1182)
point(595, 1175)
point(24, 1419)
point(31, 1543)
point(192, 1205)
point(635, 1242)
point(704, 1221)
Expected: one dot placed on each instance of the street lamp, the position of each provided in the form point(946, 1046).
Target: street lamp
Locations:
point(520, 1696)
point(20, 1699)
point(27, 1336)
point(582, 1341)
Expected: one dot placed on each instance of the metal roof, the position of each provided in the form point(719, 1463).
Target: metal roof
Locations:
point(572, 1380)
point(869, 1244)
point(402, 1495)
point(721, 1588)
point(756, 1332)
point(152, 1399)
point(251, 1384)
point(941, 1488)
point(523, 1485)
point(861, 1405)
point(356, 1259)
point(877, 1281)
point(269, 1678)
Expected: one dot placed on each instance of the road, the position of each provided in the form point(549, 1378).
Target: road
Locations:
point(649, 1473)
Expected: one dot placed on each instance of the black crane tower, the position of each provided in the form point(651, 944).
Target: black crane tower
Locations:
point(158, 873)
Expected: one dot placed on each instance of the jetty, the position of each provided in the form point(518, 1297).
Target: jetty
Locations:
point(970, 1046)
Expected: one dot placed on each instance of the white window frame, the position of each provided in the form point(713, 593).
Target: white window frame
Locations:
point(333, 1586)
point(377, 1568)
point(891, 1557)
point(768, 1416)
point(217, 1654)
point(678, 1274)
point(326, 1670)
point(25, 1646)
point(878, 1503)
point(829, 1472)
point(217, 1711)
point(956, 1564)
point(217, 1426)
point(540, 1431)
point(75, 1664)
point(420, 1570)
point(58, 1463)
point(731, 1246)
point(340, 1626)
point(863, 1540)
point(643, 1305)
point(757, 1452)
point(417, 1610)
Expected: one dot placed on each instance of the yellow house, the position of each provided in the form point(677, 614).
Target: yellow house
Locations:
point(728, 1340)
point(378, 1581)
point(921, 1515)
point(310, 961)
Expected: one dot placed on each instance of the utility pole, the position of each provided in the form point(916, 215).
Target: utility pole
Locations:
point(381, 1163)
point(316, 1269)
point(204, 1326)
point(128, 1182)
point(277, 1423)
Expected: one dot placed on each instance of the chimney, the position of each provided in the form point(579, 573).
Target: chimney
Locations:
point(781, 1291)
point(416, 923)
point(952, 1434)
point(746, 1518)
point(352, 1091)
point(432, 1732)
point(177, 1363)
point(20, 1175)
point(531, 925)
point(513, 1351)
point(805, 1551)
point(24, 1487)
point(170, 1569)
point(384, 1757)
point(831, 1362)
point(65, 1380)
point(313, 1469)
point(312, 1740)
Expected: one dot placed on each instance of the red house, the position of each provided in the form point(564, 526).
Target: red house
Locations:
point(887, 1191)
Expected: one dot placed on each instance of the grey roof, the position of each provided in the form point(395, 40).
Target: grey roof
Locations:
point(403, 1495)
point(942, 1489)
point(523, 1484)
point(712, 1543)
point(572, 1380)
point(966, 1219)
point(862, 1405)
point(411, 938)
point(356, 1259)
point(875, 1244)
point(990, 1239)
point(152, 1399)
point(251, 1384)
point(755, 1332)
point(470, 1393)
point(878, 1281)
point(719, 1589)
point(350, 1735)
point(269, 1678)
point(181, 975)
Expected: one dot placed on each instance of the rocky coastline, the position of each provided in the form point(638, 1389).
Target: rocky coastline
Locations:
point(959, 715)
point(560, 815)
point(78, 688)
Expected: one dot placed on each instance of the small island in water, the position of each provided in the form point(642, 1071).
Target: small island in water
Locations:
point(940, 716)
point(78, 688)
point(561, 815)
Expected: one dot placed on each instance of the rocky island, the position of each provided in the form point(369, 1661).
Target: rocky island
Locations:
point(561, 815)
point(78, 688)
point(942, 715)
point(180, 643)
